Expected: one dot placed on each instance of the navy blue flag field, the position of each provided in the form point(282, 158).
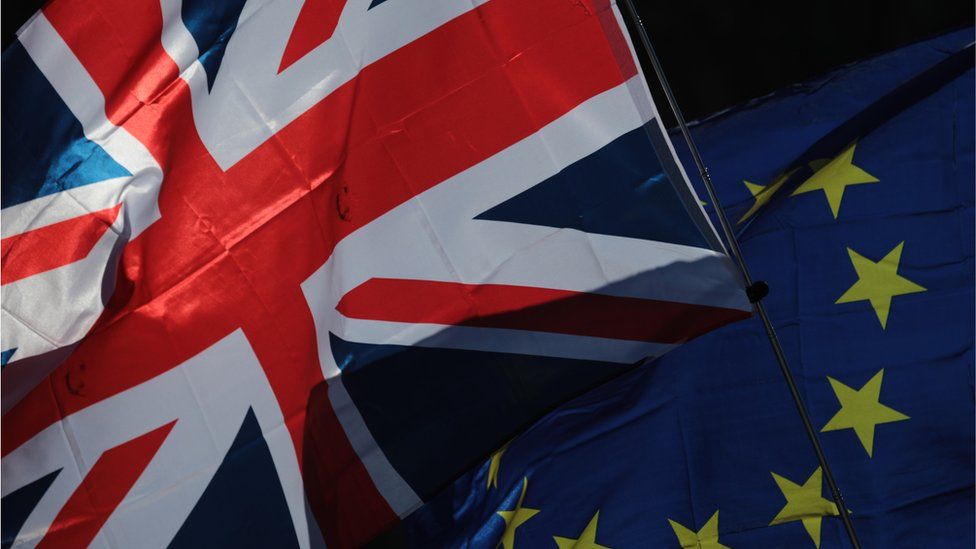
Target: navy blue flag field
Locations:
point(853, 198)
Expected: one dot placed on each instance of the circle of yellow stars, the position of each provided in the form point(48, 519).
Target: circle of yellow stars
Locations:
point(861, 410)
point(878, 282)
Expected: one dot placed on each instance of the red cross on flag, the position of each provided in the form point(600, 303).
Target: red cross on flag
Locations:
point(274, 272)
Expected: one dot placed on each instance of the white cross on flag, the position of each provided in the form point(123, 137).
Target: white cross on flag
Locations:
point(275, 272)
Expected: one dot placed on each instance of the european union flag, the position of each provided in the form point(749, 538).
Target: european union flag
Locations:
point(853, 196)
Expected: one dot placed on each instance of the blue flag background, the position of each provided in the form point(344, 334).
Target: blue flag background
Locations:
point(854, 199)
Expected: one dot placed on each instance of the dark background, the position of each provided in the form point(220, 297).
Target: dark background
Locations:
point(717, 54)
point(720, 53)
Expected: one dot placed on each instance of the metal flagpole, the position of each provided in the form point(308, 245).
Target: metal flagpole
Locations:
point(755, 290)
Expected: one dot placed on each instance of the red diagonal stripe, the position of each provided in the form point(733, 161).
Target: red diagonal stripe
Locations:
point(316, 22)
point(536, 309)
point(102, 490)
point(54, 245)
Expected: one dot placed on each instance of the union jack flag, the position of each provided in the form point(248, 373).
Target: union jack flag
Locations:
point(276, 271)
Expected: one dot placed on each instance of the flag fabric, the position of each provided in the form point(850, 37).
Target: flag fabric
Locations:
point(274, 273)
point(854, 200)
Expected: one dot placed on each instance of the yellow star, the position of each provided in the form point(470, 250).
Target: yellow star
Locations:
point(878, 282)
point(587, 539)
point(804, 503)
point(861, 410)
point(834, 177)
point(515, 518)
point(496, 461)
point(706, 538)
point(763, 193)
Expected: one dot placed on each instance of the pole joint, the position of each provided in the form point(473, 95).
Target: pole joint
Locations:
point(757, 291)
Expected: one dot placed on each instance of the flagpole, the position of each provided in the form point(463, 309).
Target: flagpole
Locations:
point(755, 290)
